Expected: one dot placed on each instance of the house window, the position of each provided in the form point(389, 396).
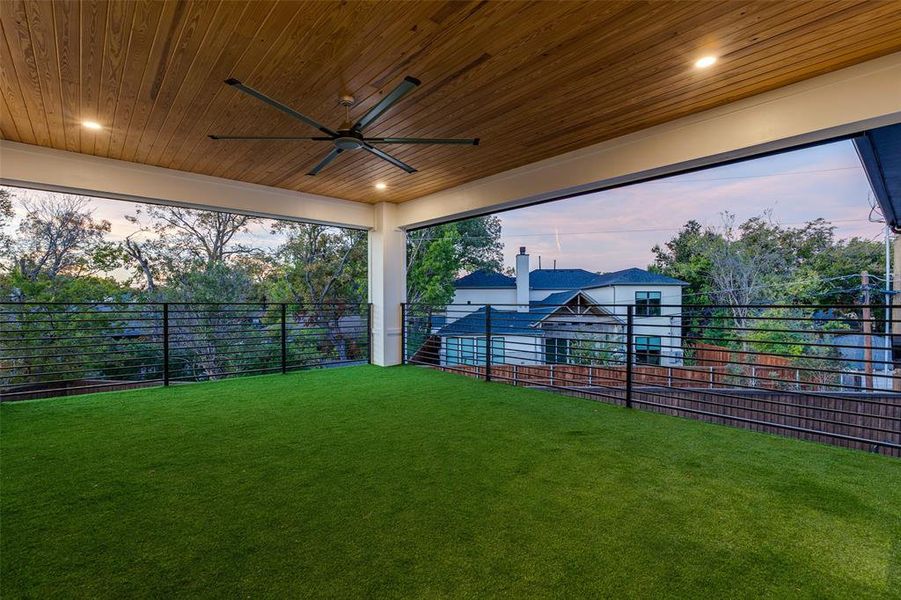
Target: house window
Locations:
point(556, 351)
point(453, 351)
point(471, 351)
point(460, 351)
point(467, 351)
point(647, 350)
point(647, 304)
point(498, 351)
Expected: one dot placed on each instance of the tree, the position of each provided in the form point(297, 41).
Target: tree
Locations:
point(140, 254)
point(745, 265)
point(6, 216)
point(436, 256)
point(57, 251)
point(686, 257)
point(761, 262)
point(479, 245)
point(184, 239)
point(57, 236)
point(844, 258)
point(319, 264)
point(433, 265)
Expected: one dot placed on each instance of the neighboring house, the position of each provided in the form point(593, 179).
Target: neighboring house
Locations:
point(562, 316)
point(851, 347)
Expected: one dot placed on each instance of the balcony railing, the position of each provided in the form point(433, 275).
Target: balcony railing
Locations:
point(51, 349)
point(813, 372)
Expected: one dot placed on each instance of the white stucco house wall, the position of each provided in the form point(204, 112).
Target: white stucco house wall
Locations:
point(562, 316)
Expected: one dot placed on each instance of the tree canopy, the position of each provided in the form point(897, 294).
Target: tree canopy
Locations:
point(761, 261)
point(60, 251)
point(436, 256)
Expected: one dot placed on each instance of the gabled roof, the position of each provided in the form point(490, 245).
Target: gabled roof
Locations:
point(566, 279)
point(503, 322)
point(558, 298)
point(548, 306)
point(561, 279)
point(636, 276)
point(485, 279)
point(511, 322)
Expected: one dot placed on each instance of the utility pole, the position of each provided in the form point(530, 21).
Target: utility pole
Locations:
point(866, 317)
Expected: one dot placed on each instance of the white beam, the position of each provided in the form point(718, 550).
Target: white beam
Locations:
point(839, 103)
point(35, 167)
point(387, 284)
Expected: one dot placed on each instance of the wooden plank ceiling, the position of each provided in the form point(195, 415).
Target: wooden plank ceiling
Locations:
point(532, 80)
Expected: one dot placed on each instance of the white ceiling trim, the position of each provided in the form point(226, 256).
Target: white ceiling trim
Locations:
point(34, 167)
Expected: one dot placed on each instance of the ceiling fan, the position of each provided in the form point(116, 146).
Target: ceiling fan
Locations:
point(348, 136)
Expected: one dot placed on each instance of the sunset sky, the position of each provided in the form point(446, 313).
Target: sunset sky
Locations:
point(616, 229)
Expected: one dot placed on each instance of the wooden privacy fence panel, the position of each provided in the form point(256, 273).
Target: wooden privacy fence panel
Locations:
point(870, 416)
point(710, 355)
point(599, 376)
point(796, 370)
point(705, 393)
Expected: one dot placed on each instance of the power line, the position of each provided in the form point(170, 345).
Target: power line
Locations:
point(636, 230)
point(673, 179)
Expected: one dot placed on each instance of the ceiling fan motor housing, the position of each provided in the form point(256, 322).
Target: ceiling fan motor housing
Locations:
point(349, 139)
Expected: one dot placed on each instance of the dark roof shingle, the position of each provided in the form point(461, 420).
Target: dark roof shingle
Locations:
point(503, 322)
point(636, 276)
point(510, 322)
point(485, 279)
point(566, 279)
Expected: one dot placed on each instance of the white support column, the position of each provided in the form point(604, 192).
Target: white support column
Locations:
point(387, 284)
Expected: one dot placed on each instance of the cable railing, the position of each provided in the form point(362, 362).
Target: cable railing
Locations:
point(803, 371)
point(53, 349)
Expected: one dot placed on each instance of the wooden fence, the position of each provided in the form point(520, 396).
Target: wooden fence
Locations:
point(709, 394)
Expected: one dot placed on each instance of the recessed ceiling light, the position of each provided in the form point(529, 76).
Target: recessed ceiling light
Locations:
point(705, 61)
point(91, 125)
point(380, 185)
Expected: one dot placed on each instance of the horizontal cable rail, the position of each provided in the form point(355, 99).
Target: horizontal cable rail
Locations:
point(52, 349)
point(819, 372)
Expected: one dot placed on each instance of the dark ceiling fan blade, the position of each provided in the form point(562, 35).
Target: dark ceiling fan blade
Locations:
point(264, 137)
point(385, 156)
point(394, 140)
point(276, 104)
point(404, 87)
point(325, 161)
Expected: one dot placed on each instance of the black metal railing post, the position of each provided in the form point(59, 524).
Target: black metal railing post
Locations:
point(487, 342)
point(403, 333)
point(60, 348)
point(284, 339)
point(369, 332)
point(165, 343)
point(630, 352)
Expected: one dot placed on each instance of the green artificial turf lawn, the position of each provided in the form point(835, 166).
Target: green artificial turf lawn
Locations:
point(407, 482)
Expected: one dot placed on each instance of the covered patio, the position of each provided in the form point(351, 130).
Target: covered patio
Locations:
point(408, 482)
point(118, 100)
